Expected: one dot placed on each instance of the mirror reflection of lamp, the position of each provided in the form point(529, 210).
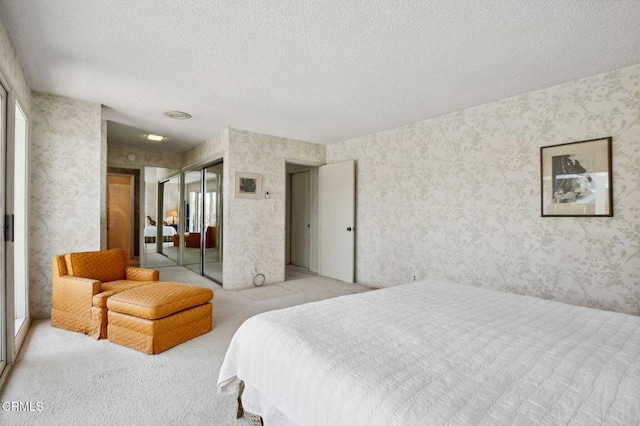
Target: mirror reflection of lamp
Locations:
point(173, 216)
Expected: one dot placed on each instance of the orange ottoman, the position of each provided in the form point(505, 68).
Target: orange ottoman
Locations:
point(159, 316)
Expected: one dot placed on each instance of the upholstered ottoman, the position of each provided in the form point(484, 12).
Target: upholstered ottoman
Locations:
point(159, 316)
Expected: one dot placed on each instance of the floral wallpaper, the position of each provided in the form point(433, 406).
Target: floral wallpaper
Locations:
point(211, 148)
point(118, 156)
point(458, 197)
point(66, 184)
point(254, 228)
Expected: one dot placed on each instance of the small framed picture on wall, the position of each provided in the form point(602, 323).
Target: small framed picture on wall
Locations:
point(248, 185)
point(576, 179)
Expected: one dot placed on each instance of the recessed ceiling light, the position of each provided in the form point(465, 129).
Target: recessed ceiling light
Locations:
point(178, 115)
point(155, 138)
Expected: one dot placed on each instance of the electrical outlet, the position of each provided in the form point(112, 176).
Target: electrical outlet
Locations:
point(414, 278)
point(255, 269)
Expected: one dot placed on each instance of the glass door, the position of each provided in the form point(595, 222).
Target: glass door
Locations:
point(4, 305)
point(202, 252)
point(19, 210)
point(14, 293)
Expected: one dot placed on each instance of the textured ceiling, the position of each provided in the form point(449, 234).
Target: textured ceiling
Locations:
point(320, 71)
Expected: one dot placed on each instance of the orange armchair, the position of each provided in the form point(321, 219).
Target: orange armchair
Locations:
point(192, 239)
point(82, 283)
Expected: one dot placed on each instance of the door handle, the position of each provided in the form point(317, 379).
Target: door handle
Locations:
point(349, 229)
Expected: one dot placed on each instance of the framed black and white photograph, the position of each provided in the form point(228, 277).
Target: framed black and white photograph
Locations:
point(248, 185)
point(576, 178)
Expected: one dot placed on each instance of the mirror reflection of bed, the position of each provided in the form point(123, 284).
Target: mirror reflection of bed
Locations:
point(162, 197)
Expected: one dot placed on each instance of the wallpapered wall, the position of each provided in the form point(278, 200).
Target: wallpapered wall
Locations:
point(65, 209)
point(458, 197)
point(207, 150)
point(254, 229)
point(119, 157)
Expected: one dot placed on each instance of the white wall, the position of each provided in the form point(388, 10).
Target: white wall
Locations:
point(458, 197)
point(66, 187)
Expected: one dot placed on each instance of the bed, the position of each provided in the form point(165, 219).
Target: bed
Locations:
point(150, 233)
point(432, 353)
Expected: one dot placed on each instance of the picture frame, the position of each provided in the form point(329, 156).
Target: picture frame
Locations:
point(248, 185)
point(576, 179)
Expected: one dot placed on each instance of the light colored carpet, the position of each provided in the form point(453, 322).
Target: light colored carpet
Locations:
point(82, 381)
point(156, 260)
point(266, 292)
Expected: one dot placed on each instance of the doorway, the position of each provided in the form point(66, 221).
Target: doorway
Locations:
point(301, 221)
point(120, 209)
point(124, 185)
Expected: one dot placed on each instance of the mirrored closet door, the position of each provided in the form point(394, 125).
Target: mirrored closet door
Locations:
point(168, 212)
point(202, 250)
point(161, 217)
point(191, 256)
point(212, 216)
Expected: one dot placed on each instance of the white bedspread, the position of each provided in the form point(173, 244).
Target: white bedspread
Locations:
point(431, 353)
point(167, 231)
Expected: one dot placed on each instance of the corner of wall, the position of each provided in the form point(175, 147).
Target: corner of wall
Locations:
point(254, 228)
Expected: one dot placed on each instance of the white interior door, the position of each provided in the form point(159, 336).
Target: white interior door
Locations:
point(337, 221)
point(300, 219)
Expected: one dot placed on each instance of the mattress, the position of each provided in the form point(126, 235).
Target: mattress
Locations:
point(432, 353)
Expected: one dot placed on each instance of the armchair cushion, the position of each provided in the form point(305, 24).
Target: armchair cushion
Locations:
point(106, 265)
point(114, 287)
point(142, 274)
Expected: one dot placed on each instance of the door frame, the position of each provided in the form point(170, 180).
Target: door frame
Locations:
point(132, 219)
point(307, 231)
point(20, 334)
point(313, 255)
point(10, 341)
